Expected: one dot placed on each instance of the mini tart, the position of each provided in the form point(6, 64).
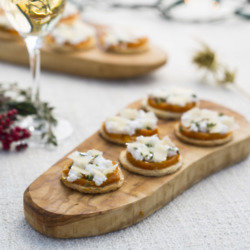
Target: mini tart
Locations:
point(128, 125)
point(86, 185)
point(68, 47)
point(72, 37)
point(80, 185)
point(167, 110)
point(160, 171)
point(166, 165)
point(70, 14)
point(122, 139)
point(204, 127)
point(138, 46)
point(201, 139)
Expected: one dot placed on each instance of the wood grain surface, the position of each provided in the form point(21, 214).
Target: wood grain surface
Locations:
point(57, 211)
point(93, 63)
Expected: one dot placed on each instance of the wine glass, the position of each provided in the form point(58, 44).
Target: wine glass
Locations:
point(33, 19)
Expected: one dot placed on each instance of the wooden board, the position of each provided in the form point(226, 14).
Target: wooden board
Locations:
point(93, 63)
point(57, 211)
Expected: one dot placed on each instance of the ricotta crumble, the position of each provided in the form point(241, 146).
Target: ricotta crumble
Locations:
point(69, 10)
point(4, 22)
point(175, 96)
point(152, 149)
point(73, 33)
point(117, 35)
point(92, 165)
point(207, 121)
point(131, 120)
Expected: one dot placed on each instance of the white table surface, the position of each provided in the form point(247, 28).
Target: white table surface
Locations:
point(214, 213)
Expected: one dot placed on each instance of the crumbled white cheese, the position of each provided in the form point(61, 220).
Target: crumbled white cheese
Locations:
point(152, 149)
point(131, 120)
point(69, 10)
point(175, 96)
point(116, 35)
point(207, 121)
point(73, 33)
point(4, 22)
point(92, 164)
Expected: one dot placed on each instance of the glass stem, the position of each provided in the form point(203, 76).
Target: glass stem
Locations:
point(33, 44)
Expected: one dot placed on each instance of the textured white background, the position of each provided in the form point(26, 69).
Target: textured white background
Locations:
point(213, 214)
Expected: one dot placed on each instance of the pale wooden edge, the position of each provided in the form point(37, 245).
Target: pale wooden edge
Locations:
point(93, 190)
point(54, 225)
point(151, 172)
point(70, 48)
point(195, 142)
point(129, 51)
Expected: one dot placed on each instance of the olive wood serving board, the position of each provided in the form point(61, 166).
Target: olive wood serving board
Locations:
point(93, 63)
point(57, 211)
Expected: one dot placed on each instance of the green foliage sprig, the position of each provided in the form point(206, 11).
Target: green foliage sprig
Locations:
point(207, 60)
point(14, 97)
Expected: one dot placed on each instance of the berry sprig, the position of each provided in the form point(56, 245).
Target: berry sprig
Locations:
point(14, 97)
point(10, 133)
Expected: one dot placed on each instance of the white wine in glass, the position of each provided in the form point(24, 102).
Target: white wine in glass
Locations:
point(33, 19)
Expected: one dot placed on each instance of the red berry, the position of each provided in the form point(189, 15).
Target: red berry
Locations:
point(27, 133)
point(9, 134)
point(14, 111)
point(21, 146)
point(18, 129)
point(6, 146)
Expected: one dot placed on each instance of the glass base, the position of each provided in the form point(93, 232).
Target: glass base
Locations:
point(62, 130)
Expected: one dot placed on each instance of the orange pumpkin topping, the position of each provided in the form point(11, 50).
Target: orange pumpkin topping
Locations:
point(87, 181)
point(80, 45)
point(153, 165)
point(70, 19)
point(135, 44)
point(128, 138)
point(139, 42)
point(201, 135)
point(153, 102)
point(9, 30)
